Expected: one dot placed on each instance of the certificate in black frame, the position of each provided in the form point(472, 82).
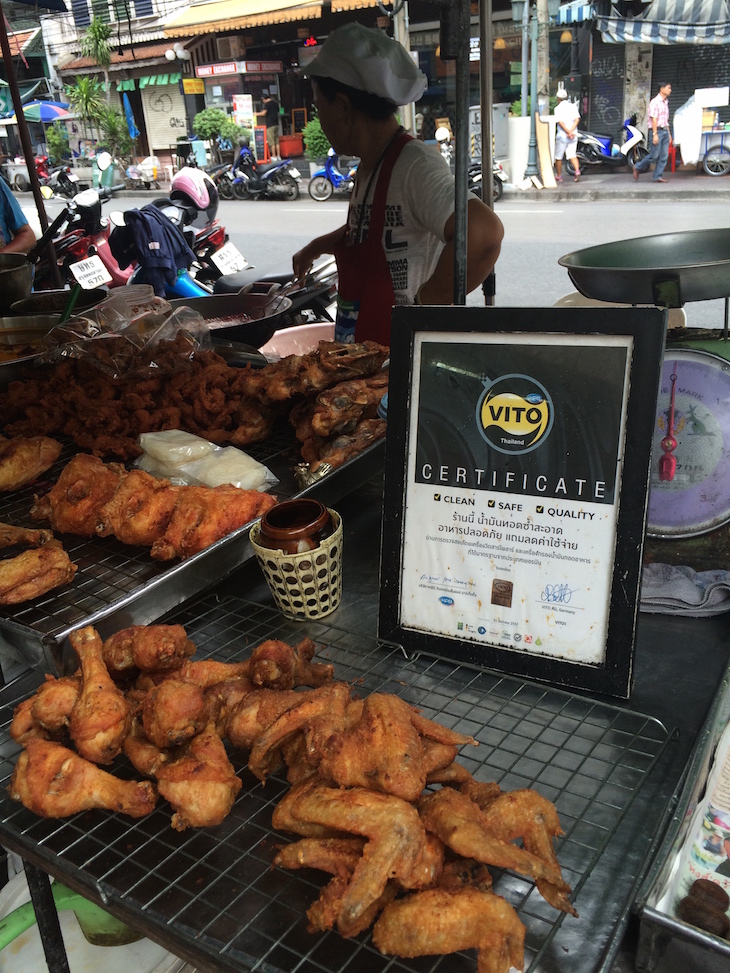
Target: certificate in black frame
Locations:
point(473, 565)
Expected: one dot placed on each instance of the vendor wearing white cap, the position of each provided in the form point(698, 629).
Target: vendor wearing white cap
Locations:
point(397, 244)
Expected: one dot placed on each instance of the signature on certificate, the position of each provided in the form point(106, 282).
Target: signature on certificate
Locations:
point(557, 594)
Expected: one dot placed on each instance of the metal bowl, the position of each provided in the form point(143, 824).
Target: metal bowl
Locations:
point(16, 279)
point(24, 323)
point(667, 270)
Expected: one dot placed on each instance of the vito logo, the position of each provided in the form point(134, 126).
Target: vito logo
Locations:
point(514, 413)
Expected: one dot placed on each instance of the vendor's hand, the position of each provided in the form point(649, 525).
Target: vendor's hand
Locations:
point(302, 263)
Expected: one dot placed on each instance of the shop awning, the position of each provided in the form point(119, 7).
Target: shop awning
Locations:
point(128, 84)
point(212, 18)
point(338, 6)
point(575, 13)
point(671, 22)
point(149, 79)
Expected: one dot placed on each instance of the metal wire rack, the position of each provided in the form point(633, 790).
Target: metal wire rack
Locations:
point(213, 897)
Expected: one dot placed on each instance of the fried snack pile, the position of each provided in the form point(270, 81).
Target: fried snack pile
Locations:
point(197, 393)
point(91, 497)
point(401, 851)
point(34, 572)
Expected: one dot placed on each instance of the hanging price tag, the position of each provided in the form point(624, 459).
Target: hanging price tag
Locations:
point(91, 273)
point(229, 259)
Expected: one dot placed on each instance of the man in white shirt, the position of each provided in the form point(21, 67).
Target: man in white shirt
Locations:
point(567, 118)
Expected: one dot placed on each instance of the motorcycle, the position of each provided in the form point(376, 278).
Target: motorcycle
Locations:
point(143, 174)
point(61, 180)
point(270, 180)
point(474, 179)
point(603, 150)
point(329, 179)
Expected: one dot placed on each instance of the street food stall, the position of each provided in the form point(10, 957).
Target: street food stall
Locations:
point(700, 134)
point(517, 680)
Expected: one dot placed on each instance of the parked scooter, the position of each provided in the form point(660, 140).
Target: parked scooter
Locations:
point(61, 180)
point(330, 179)
point(269, 180)
point(144, 174)
point(603, 150)
point(474, 184)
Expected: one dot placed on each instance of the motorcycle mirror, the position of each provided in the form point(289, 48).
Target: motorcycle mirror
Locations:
point(46, 192)
point(103, 161)
point(116, 218)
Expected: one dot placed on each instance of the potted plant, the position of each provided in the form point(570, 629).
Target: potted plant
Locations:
point(316, 144)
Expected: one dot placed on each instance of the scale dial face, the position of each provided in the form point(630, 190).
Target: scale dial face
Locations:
point(697, 498)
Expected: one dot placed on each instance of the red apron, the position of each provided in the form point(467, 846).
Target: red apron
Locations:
point(365, 295)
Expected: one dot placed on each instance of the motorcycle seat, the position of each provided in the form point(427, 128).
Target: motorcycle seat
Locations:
point(262, 167)
point(233, 283)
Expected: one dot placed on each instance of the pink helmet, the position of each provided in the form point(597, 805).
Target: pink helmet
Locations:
point(193, 186)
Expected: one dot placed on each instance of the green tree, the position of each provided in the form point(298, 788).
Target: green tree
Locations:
point(209, 122)
point(57, 142)
point(316, 143)
point(95, 44)
point(115, 134)
point(86, 100)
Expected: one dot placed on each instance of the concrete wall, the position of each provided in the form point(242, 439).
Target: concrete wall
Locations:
point(519, 144)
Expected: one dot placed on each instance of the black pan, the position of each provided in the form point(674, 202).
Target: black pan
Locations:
point(228, 314)
point(669, 270)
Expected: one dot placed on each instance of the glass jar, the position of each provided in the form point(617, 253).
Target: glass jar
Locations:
point(295, 526)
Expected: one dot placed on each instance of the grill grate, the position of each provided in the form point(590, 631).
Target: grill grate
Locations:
point(213, 895)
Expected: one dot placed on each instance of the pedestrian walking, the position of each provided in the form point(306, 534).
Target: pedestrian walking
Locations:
point(661, 138)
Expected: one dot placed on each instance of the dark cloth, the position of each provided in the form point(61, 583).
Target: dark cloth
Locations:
point(723, 868)
point(150, 239)
point(272, 112)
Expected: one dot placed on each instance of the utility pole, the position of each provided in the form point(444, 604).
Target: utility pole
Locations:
point(543, 57)
point(400, 33)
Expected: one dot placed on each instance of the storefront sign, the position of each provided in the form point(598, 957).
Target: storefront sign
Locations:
point(519, 444)
point(212, 70)
point(243, 111)
point(193, 86)
point(261, 67)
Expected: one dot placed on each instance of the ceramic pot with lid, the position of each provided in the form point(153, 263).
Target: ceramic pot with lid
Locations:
point(295, 526)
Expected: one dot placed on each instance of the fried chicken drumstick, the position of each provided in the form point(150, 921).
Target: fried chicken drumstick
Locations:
point(54, 782)
point(101, 717)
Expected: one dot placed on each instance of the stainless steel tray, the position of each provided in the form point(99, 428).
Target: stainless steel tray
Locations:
point(212, 896)
point(657, 928)
point(117, 585)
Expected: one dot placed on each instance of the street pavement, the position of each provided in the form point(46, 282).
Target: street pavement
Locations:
point(685, 184)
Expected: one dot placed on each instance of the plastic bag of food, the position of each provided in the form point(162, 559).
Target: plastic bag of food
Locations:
point(227, 464)
point(174, 447)
point(161, 470)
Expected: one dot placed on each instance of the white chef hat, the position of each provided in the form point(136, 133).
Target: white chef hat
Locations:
point(561, 93)
point(368, 60)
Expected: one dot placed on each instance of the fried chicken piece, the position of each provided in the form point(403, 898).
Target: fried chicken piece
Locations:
point(54, 782)
point(439, 921)
point(101, 717)
point(329, 701)
point(173, 713)
point(277, 665)
point(384, 750)
point(33, 573)
point(223, 698)
point(145, 757)
point(54, 701)
point(340, 408)
point(27, 537)
point(23, 460)
point(151, 648)
point(208, 672)
point(139, 510)
point(23, 726)
point(256, 713)
point(342, 448)
point(459, 873)
point(254, 422)
point(462, 826)
point(528, 815)
point(203, 515)
point(201, 784)
point(394, 831)
point(73, 503)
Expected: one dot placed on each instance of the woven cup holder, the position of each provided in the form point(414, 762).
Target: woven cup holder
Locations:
point(305, 585)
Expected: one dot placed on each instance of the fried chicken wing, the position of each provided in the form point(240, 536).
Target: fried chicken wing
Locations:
point(461, 825)
point(223, 698)
point(54, 782)
point(394, 831)
point(23, 726)
point(11, 536)
point(54, 701)
point(202, 515)
point(33, 573)
point(201, 783)
point(23, 460)
point(277, 665)
point(256, 713)
point(439, 921)
point(139, 510)
point(173, 713)
point(101, 717)
point(73, 503)
point(151, 648)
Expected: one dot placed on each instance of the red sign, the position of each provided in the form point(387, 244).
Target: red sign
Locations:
point(211, 70)
point(262, 67)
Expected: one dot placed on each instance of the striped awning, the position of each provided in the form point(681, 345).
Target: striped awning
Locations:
point(218, 15)
point(575, 12)
point(671, 22)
